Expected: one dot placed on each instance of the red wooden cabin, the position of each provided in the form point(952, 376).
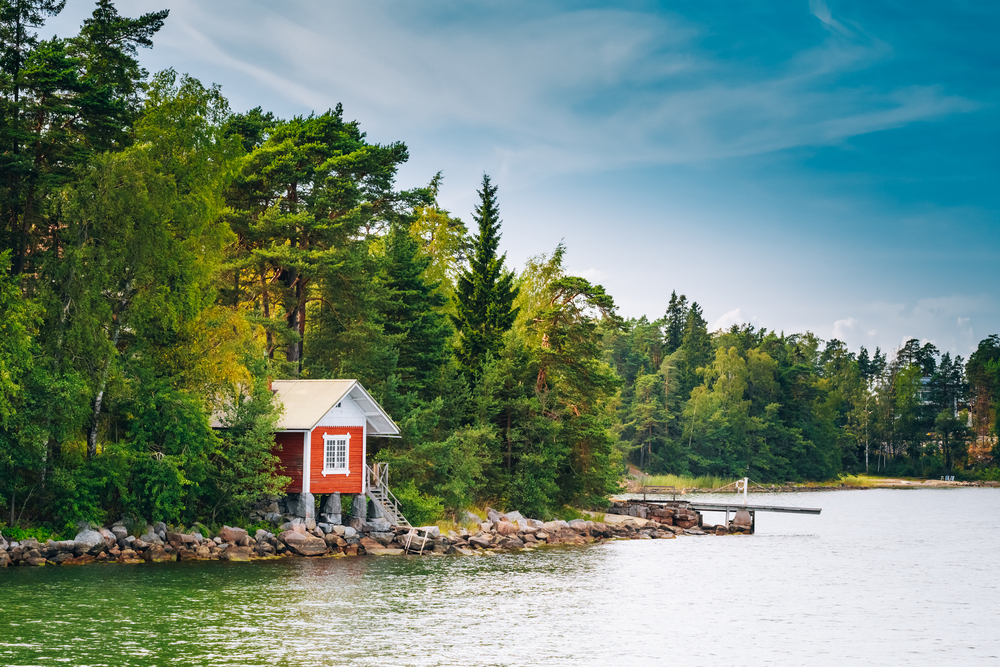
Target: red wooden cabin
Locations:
point(323, 434)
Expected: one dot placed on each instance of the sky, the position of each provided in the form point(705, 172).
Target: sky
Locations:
point(813, 165)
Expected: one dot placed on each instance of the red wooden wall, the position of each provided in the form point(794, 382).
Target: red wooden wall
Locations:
point(355, 463)
point(291, 458)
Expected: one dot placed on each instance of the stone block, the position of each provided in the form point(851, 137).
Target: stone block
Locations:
point(232, 535)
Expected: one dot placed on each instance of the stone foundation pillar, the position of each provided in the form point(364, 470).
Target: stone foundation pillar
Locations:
point(331, 510)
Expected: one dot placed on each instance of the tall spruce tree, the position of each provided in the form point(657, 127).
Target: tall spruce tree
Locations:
point(484, 296)
point(675, 319)
point(410, 317)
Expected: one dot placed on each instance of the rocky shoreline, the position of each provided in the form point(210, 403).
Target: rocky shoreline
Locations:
point(499, 532)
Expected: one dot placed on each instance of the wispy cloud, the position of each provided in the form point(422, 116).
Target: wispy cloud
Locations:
point(555, 89)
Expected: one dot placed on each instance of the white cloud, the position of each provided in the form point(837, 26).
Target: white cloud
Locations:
point(728, 319)
point(551, 90)
point(843, 328)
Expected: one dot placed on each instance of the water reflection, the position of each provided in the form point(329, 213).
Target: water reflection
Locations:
point(881, 577)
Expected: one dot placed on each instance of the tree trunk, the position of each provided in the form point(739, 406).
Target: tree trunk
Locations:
point(99, 398)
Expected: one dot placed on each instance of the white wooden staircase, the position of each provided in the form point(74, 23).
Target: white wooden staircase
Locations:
point(378, 492)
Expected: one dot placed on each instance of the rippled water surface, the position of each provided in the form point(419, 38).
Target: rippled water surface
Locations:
point(882, 577)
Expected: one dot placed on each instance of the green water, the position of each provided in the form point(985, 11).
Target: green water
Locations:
point(880, 578)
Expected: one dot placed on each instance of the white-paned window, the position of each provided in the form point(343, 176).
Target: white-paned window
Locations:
point(335, 454)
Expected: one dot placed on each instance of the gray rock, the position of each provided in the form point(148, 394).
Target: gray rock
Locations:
point(305, 507)
point(480, 541)
point(332, 519)
point(119, 532)
point(383, 538)
point(376, 525)
point(261, 534)
point(350, 532)
point(511, 543)
point(359, 507)
point(64, 545)
point(535, 523)
point(514, 516)
point(469, 517)
point(273, 517)
point(88, 539)
point(554, 526)
point(160, 529)
point(340, 530)
point(332, 504)
point(492, 515)
point(151, 538)
point(418, 543)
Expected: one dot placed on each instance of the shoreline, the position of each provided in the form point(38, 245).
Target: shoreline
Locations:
point(373, 538)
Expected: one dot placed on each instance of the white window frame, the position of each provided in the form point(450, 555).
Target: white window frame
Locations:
point(329, 444)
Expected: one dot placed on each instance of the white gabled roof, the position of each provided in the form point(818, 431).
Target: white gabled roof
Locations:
point(307, 401)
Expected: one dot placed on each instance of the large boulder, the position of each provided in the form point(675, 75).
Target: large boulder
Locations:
point(418, 543)
point(685, 518)
point(741, 520)
point(369, 543)
point(511, 543)
point(480, 541)
point(182, 539)
point(580, 526)
point(492, 515)
point(376, 525)
point(331, 505)
point(383, 538)
point(237, 553)
point(89, 541)
point(469, 517)
point(303, 544)
point(551, 527)
point(232, 535)
point(506, 528)
point(156, 554)
point(513, 517)
point(359, 507)
point(304, 506)
point(565, 536)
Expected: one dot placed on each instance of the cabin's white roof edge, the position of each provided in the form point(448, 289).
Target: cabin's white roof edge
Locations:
point(305, 407)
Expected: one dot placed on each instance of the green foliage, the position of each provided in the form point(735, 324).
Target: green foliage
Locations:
point(485, 293)
point(420, 509)
point(161, 257)
point(40, 533)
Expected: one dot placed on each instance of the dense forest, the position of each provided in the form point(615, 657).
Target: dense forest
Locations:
point(162, 257)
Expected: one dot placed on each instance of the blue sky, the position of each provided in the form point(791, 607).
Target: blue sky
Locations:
point(816, 165)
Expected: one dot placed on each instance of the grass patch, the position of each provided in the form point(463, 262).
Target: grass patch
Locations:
point(859, 481)
point(684, 482)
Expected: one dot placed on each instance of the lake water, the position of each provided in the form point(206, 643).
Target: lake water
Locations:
point(882, 577)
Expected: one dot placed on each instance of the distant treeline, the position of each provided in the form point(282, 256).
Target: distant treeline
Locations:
point(162, 257)
point(775, 407)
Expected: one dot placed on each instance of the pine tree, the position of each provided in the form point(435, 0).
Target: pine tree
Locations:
point(484, 296)
point(411, 314)
point(675, 317)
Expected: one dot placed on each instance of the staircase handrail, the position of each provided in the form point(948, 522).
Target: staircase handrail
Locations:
point(382, 484)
